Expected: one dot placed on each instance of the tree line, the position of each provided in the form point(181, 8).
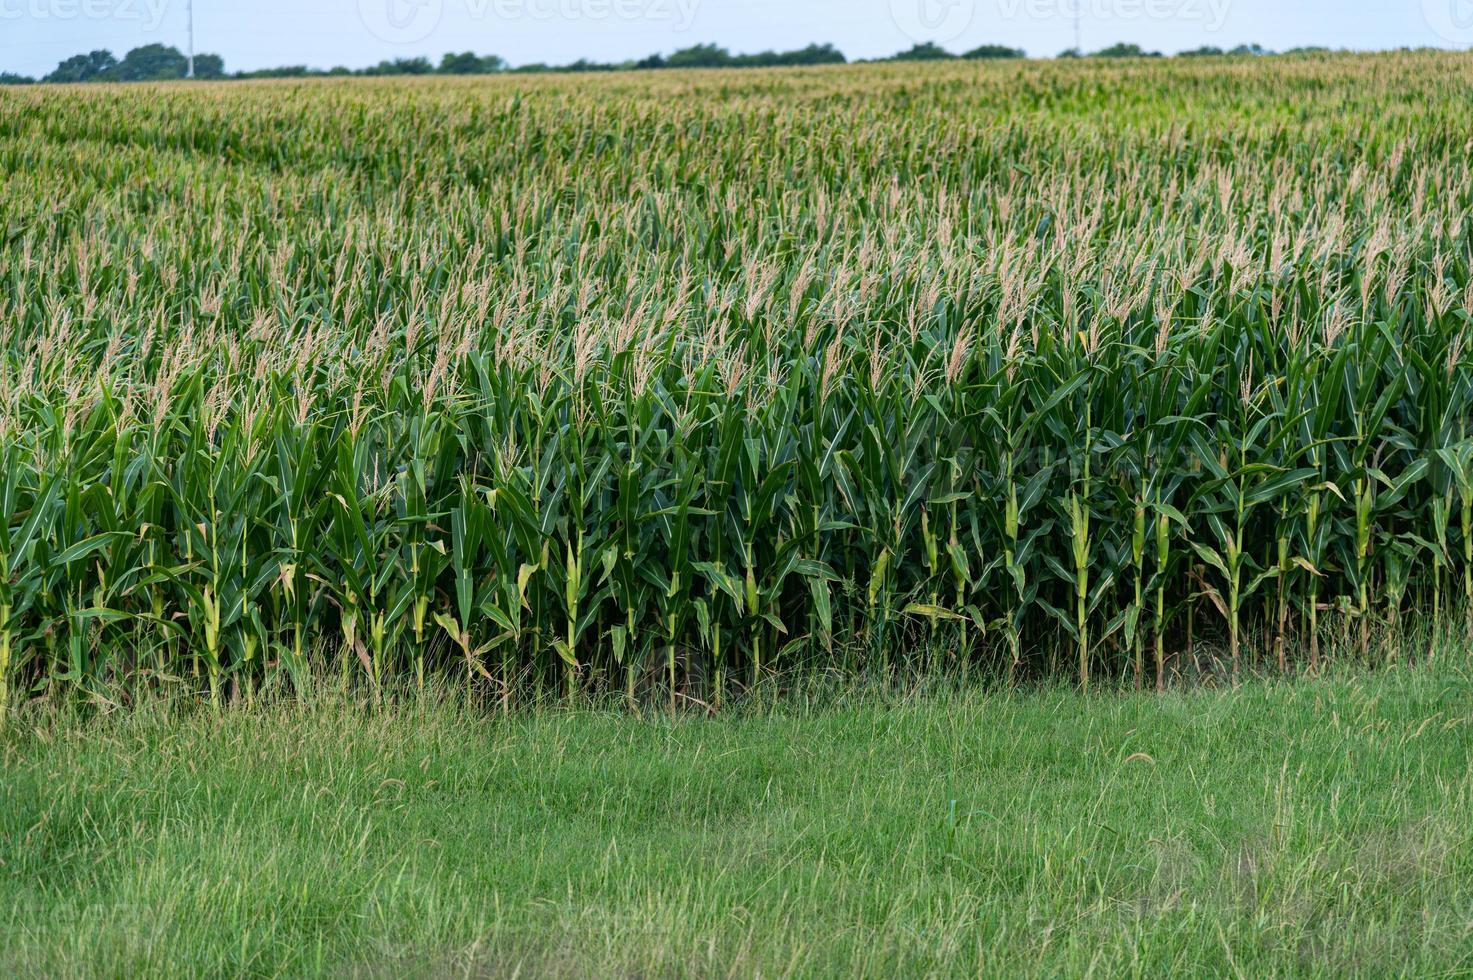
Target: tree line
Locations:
point(160, 62)
point(150, 63)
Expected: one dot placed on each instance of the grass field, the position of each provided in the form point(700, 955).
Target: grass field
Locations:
point(1307, 828)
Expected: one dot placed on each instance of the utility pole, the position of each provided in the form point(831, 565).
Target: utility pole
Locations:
point(1078, 8)
point(189, 13)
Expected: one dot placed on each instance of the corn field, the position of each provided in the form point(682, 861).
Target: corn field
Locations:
point(557, 384)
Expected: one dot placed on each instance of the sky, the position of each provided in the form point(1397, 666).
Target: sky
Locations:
point(36, 34)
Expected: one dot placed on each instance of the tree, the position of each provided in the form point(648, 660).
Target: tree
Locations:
point(815, 54)
point(700, 56)
point(1211, 51)
point(992, 51)
point(83, 67)
point(1125, 51)
point(470, 63)
point(284, 71)
point(583, 65)
point(402, 66)
point(209, 66)
point(9, 78)
point(924, 52)
point(150, 63)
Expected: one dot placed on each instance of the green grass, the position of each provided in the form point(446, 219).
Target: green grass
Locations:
point(1318, 827)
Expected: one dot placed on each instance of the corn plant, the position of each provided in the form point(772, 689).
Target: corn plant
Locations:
point(558, 386)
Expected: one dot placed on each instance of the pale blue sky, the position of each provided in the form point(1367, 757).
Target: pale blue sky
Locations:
point(36, 34)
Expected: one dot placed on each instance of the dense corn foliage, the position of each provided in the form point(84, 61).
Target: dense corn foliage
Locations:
point(563, 383)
